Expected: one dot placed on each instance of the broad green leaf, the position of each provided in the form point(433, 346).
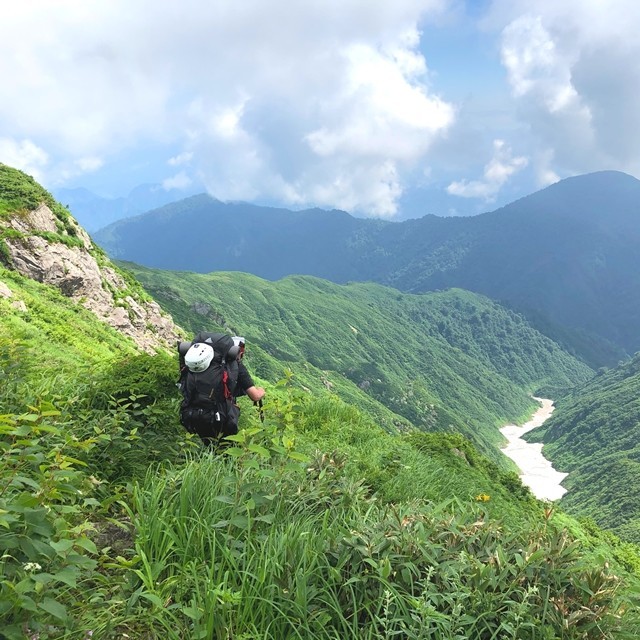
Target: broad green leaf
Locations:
point(260, 450)
point(62, 546)
point(234, 452)
point(296, 455)
point(221, 524)
point(268, 518)
point(192, 612)
point(46, 428)
point(25, 602)
point(242, 522)
point(68, 575)
point(153, 598)
point(86, 544)
point(54, 608)
point(29, 417)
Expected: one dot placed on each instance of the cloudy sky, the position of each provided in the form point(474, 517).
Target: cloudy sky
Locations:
point(388, 108)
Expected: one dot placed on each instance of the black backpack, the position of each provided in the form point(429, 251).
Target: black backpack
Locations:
point(208, 407)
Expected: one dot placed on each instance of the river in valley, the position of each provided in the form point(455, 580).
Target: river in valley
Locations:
point(536, 472)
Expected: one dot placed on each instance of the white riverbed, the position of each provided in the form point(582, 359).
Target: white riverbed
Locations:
point(537, 473)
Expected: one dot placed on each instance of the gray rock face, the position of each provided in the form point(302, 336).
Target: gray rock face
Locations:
point(78, 275)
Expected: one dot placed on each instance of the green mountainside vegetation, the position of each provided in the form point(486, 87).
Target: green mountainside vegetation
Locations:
point(450, 361)
point(595, 435)
point(565, 256)
point(325, 521)
point(317, 523)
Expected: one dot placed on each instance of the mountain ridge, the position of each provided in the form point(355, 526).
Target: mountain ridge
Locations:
point(594, 435)
point(428, 357)
point(562, 255)
point(94, 211)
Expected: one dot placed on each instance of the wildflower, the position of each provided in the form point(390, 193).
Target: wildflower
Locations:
point(31, 566)
point(483, 497)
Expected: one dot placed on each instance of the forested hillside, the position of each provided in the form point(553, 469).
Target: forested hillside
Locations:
point(595, 436)
point(451, 361)
point(565, 256)
point(316, 523)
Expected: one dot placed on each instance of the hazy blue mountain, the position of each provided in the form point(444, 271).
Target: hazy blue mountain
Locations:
point(566, 256)
point(94, 211)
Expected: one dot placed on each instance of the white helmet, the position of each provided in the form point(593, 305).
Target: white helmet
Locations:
point(199, 357)
point(237, 351)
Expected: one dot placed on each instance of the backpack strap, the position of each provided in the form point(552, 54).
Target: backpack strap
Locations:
point(230, 379)
point(225, 384)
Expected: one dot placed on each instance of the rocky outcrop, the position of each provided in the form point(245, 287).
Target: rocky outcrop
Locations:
point(77, 273)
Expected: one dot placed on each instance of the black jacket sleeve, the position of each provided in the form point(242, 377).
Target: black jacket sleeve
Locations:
point(244, 380)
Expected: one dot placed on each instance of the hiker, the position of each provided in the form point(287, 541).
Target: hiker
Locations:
point(245, 384)
point(212, 377)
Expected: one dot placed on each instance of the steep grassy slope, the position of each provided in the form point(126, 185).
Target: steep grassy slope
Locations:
point(447, 361)
point(316, 523)
point(67, 334)
point(566, 256)
point(40, 240)
point(373, 531)
point(595, 435)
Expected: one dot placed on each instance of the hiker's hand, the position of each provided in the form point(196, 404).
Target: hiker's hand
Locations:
point(255, 393)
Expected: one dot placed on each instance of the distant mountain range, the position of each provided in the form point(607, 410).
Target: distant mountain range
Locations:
point(566, 256)
point(94, 212)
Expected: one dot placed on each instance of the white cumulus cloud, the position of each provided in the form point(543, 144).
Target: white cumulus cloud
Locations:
point(24, 155)
point(573, 71)
point(179, 181)
point(496, 173)
point(181, 159)
point(286, 99)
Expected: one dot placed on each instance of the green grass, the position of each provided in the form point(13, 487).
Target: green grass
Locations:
point(373, 535)
point(240, 553)
point(333, 518)
point(448, 361)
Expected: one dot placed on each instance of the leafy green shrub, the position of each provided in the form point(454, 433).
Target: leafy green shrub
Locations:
point(45, 548)
point(20, 192)
point(5, 255)
point(68, 240)
point(148, 377)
